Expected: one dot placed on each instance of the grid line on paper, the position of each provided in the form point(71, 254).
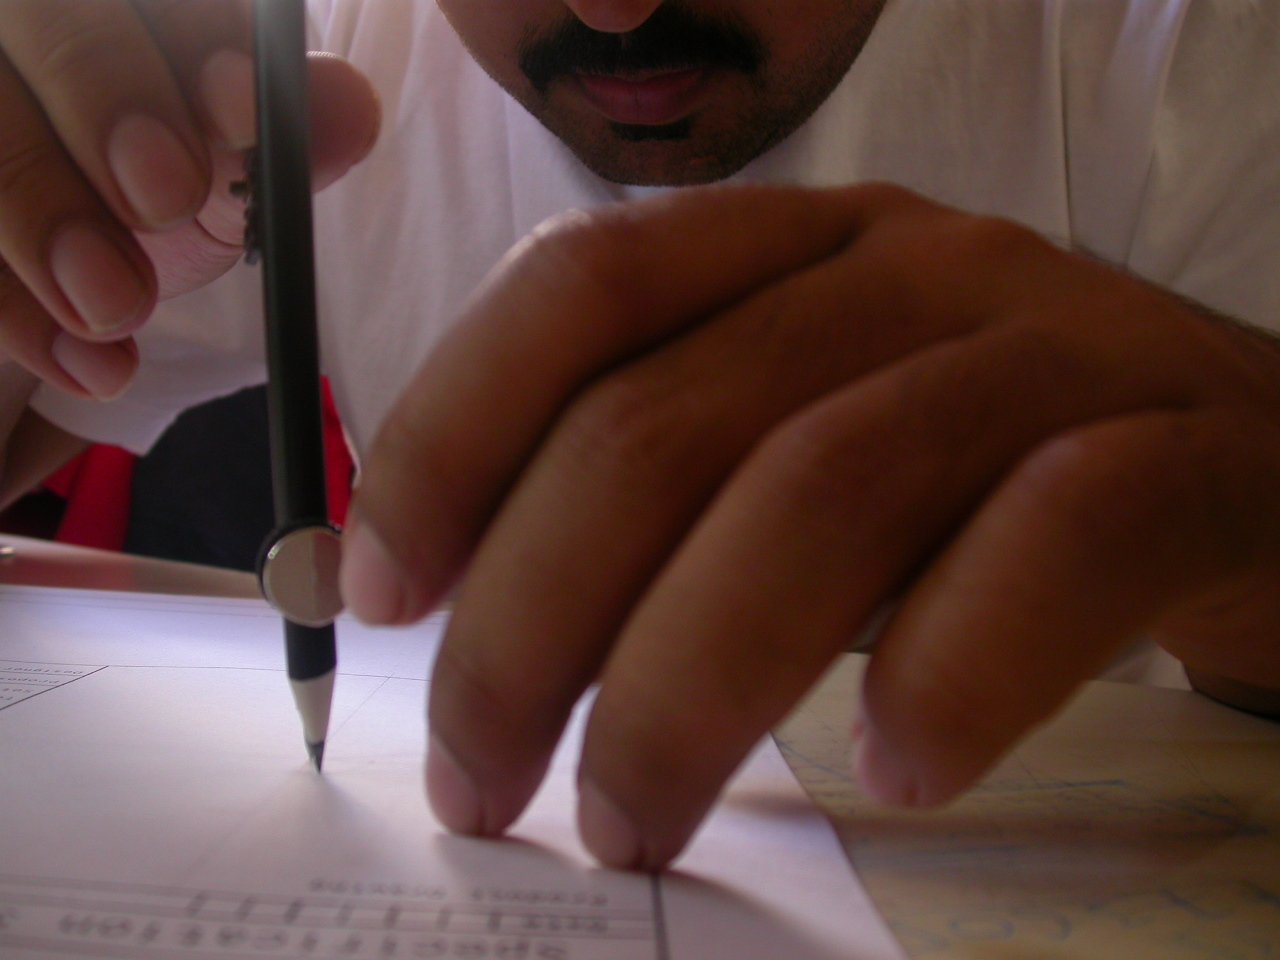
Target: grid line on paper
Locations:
point(21, 679)
point(70, 918)
point(662, 947)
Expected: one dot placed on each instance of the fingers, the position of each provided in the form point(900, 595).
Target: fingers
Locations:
point(124, 127)
point(69, 274)
point(55, 234)
point(613, 489)
point(98, 141)
point(207, 46)
point(828, 517)
point(128, 130)
point(576, 299)
point(693, 468)
point(29, 336)
point(604, 506)
point(345, 123)
point(1098, 535)
point(790, 558)
point(485, 762)
point(346, 117)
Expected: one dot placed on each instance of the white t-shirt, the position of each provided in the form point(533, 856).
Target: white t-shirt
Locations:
point(1147, 131)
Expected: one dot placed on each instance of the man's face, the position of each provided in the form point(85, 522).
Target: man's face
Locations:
point(666, 91)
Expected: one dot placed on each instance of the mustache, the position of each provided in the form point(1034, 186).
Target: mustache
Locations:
point(674, 38)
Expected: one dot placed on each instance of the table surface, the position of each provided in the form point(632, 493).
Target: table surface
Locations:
point(1142, 821)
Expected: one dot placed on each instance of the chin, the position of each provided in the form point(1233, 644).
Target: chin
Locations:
point(655, 161)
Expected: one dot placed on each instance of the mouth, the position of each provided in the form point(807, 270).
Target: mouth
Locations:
point(658, 98)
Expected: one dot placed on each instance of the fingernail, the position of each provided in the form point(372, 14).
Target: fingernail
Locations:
point(160, 178)
point(102, 284)
point(606, 831)
point(452, 792)
point(371, 582)
point(102, 369)
point(884, 776)
point(226, 86)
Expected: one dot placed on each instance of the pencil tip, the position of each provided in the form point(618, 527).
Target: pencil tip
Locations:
point(315, 751)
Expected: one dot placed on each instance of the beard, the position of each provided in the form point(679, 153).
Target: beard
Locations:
point(758, 104)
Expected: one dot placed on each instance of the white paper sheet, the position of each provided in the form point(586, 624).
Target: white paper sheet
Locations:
point(156, 804)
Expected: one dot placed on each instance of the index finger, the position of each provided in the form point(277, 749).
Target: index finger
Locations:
point(576, 298)
point(110, 95)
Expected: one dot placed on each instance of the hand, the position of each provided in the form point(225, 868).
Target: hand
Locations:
point(690, 447)
point(125, 123)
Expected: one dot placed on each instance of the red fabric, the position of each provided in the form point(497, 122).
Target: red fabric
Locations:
point(339, 467)
point(96, 488)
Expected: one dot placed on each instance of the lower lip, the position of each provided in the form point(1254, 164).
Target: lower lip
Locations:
point(652, 101)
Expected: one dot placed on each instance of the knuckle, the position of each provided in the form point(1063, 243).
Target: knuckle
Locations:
point(624, 426)
point(398, 442)
point(67, 46)
point(961, 706)
point(1069, 475)
point(26, 332)
point(599, 251)
point(952, 246)
point(11, 289)
point(603, 257)
point(407, 458)
point(25, 163)
point(815, 460)
point(400, 465)
point(885, 195)
point(748, 692)
point(196, 25)
point(650, 744)
point(949, 707)
point(1102, 482)
point(477, 685)
point(1169, 486)
point(498, 698)
point(978, 241)
point(175, 12)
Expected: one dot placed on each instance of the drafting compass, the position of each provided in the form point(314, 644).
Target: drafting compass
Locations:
point(298, 565)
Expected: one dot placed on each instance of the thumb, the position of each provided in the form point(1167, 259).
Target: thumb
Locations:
point(345, 118)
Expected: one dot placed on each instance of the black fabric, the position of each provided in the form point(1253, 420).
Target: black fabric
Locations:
point(203, 493)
